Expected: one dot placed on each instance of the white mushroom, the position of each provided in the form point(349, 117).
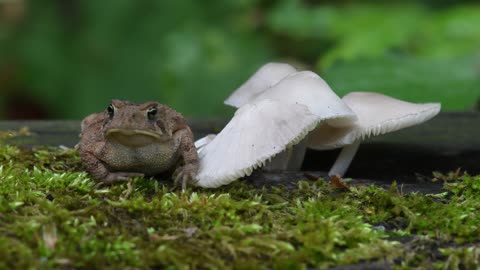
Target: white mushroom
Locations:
point(276, 119)
point(202, 142)
point(256, 133)
point(264, 78)
point(377, 114)
point(258, 86)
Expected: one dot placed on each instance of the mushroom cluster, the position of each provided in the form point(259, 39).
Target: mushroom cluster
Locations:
point(281, 111)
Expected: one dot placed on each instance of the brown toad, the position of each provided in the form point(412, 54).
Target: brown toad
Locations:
point(130, 139)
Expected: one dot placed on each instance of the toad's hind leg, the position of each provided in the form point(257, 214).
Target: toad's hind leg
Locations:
point(114, 177)
point(101, 173)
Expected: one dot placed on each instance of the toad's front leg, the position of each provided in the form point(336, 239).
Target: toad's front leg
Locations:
point(187, 172)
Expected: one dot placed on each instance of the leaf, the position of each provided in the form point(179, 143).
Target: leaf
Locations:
point(453, 82)
point(337, 182)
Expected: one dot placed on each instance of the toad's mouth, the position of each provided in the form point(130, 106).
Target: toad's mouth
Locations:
point(133, 137)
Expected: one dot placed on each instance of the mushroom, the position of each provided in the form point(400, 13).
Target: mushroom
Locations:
point(276, 119)
point(264, 78)
point(377, 114)
point(200, 143)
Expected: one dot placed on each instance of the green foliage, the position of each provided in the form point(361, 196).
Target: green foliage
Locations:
point(173, 52)
point(55, 216)
point(369, 31)
point(453, 82)
point(404, 50)
point(75, 57)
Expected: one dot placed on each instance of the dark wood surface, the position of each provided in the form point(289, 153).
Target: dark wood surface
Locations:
point(449, 141)
point(445, 143)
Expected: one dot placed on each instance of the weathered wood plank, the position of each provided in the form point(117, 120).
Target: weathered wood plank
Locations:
point(45, 132)
point(448, 132)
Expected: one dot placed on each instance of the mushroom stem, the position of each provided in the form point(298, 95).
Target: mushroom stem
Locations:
point(291, 159)
point(279, 162)
point(344, 159)
point(297, 155)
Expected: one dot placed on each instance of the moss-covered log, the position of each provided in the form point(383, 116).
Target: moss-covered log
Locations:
point(53, 215)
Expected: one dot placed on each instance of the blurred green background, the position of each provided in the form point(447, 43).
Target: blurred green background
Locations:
point(67, 58)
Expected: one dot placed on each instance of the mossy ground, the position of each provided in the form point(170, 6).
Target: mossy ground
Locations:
point(53, 215)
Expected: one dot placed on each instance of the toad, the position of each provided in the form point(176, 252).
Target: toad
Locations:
point(128, 140)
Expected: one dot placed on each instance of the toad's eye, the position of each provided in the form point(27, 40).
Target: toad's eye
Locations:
point(110, 110)
point(151, 112)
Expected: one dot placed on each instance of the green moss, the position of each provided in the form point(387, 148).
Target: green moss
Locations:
point(53, 215)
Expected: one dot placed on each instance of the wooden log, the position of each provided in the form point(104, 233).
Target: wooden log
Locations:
point(449, 132)
point(449, 141)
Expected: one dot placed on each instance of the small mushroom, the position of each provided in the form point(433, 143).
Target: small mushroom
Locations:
point(264, 78)
point(278, 118)
point(377, 114)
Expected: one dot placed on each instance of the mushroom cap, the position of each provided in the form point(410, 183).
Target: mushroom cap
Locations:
point(307, 88)
point(278, 118)
point(264, 78)
point(377, 114)
point(257, 132)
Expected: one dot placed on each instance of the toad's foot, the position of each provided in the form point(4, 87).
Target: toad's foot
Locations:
point(120, 177)
point(185, 174)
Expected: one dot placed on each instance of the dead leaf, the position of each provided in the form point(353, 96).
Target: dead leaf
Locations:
point(337, 182)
